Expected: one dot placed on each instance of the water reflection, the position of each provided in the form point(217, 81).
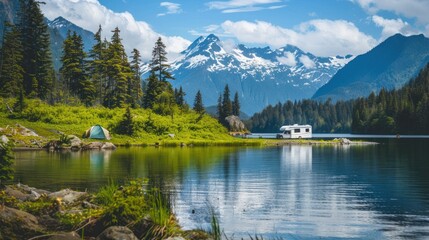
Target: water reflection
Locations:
point(370, 192)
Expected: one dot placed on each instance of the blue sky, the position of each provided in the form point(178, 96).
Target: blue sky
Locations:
point(322, 27)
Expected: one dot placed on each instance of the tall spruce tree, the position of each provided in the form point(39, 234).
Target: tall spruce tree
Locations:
point(11, 72)
point(159, 64)
point(36, 61)
point(198, 103)
point(180, 97)
point(219, 109)
point(74, 69)
point(226, 103)
point(236, 105)
point(97, 65)
point(153, 90)
point(134, 85)
point(118, 72)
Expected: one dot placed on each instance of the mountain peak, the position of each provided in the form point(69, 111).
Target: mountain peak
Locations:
point(212, 38)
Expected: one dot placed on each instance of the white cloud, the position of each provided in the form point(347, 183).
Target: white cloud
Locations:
point(288, 59)
point(392, 26)
point(320, 37)
point(409, 8)
point(89, 14)
point(172, 8)
point(308, 63)
point(235, 6)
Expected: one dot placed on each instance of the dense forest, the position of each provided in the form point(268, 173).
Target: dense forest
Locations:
point(324, 117)
point(104, 76)
point(403, 111)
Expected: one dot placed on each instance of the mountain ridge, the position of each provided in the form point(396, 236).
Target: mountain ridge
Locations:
point(260, 75)
point(389, 65)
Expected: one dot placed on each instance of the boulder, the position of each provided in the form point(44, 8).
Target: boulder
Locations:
point(4, 139)
point(93, 145)
point(16, 224)
point(65, 236)
point(75, 142)
point(235, 124)
point(117, 233)
point(24, 193)
point(108, 146)
point(21, 130)
point(67, 196)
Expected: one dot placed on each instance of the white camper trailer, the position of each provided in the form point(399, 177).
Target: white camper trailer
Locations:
point(295, 131)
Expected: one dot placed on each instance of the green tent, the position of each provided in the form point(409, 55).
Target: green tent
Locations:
point(97, 132)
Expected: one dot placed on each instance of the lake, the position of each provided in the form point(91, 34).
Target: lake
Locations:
point(288, 192)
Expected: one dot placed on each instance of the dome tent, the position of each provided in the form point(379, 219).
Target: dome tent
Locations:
point(97, 132)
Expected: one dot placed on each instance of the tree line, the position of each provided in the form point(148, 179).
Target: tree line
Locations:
point(325, 117)
point(104, 76)
point(403, 111)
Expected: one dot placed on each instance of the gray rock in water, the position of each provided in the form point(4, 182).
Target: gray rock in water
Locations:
point(235, 124)
point(75, 142)
point(117, 233)
point(108, 146)
point(93, 145)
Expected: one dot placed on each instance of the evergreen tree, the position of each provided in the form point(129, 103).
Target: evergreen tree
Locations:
point(219, 109)
point(126, 125)
point(11, 72)
point(6, 162)
point(134, 86)
point(198, 103)
point(97, 65)
point(180, 97)
point(226, 103)
point(74, 68)
point(236, 105)
point(159, 64)
point(153, 90)
point(118, 72)
point(36, 61)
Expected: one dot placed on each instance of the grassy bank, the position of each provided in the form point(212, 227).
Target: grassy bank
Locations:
point(49, 122)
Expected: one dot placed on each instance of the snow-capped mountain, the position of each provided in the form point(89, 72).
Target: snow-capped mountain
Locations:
point(261, 76)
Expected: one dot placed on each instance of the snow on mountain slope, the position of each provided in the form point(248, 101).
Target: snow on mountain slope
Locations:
point(261, 76)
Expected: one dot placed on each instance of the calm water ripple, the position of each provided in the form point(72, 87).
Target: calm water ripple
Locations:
point(292, 192)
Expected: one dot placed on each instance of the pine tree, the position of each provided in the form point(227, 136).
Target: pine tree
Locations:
point(6, 162)
point(180, 97)
point(159, 64)
point(226, 103)
point(97, 65)
point(37, 61)
point(74, 70)
point(198, 103)
point(11, 72)
point(134, 85)
point(126, 125)
point(219, 109)
point(153, 90)
point(118, 72)
point(236, 105)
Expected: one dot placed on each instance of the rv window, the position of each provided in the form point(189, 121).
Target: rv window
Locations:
point(297, 130)
point(307, 130)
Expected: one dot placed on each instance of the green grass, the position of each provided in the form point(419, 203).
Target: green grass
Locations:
point(50, 122)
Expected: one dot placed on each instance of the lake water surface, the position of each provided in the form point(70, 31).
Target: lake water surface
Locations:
point(289, 192)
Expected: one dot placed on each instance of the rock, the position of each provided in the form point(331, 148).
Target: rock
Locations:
point(108, 146)
point(235, 124)
point(4, 139)
point(67, 196)
point(25, 131)
point(93, 145)
point(65, 236)
point(16, 224)
point(24, 193)
point(75, 142)
point(171, 135)
point(117, 233)
point(344, 141)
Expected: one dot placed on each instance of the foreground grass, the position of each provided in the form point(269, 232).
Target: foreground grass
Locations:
point(183, 127)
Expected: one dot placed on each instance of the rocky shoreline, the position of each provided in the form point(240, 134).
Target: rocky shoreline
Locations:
point(30, 213)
